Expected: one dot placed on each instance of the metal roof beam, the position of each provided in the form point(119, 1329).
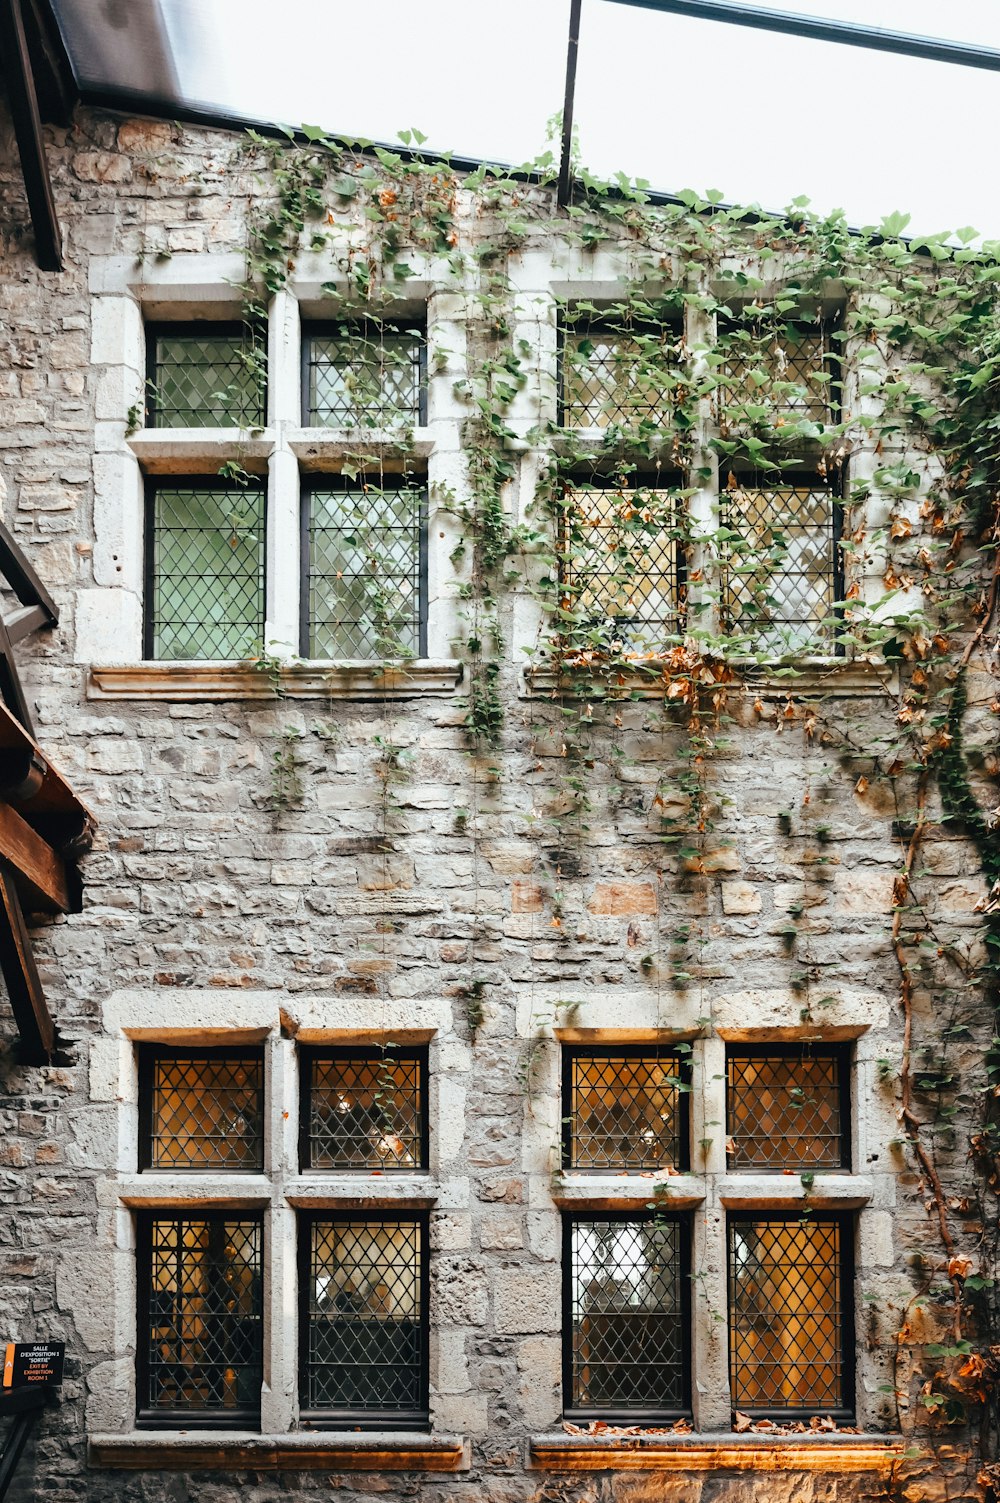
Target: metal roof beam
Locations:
point(823, 29)
point(28, 130)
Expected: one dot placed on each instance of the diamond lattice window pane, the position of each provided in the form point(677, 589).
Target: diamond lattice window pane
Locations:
point(208, 380)
point(366, 1112)
point(207, 576)
point(790, 374)
point(366, 1348)
point(786, 1316)
point(624, 1112)
point(619, 553)
point(202, 1330)
point(784, 1111)
point(778, 553)
point(365, 377)
point(205, 1112)
point(626, 1318)
point(365, 572)
point(626, 377)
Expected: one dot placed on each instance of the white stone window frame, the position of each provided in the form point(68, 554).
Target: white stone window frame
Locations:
point(710, 1189)
point(544, 284)
point(104, 1292)
point(125, 297)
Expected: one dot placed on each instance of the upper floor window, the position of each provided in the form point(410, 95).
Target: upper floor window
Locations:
point(624, 1109)
point(201, 1314)
point(788, 1107)
point(364, 569)
point(618, 367)
point(778, 371)
point(364, 374)
point(364, 1109)
point(204, 568)
point(205, 375)
point(790, 1332)
point(626, 1317)
point(201, 1109)
point(621, 562)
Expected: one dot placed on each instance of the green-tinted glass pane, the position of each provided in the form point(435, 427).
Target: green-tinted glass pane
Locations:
point(207, 597)
point(208, 381)
point(364, 573)
point(365, 378)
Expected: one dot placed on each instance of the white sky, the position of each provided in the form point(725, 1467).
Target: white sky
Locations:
point(686, 104)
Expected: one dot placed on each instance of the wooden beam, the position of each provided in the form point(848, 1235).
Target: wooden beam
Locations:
point(565, 187)
point(20, 974)
point(28, 130)
point(23, 622)
point(10, 683)
point(41, 873)
point(21, 576)
point(55, 85)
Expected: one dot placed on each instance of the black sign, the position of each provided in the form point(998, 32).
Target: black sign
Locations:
point(25, 1363)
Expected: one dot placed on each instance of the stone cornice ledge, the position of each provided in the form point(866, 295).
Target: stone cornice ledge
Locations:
point(212, 681)
point(312, 1450)
point(727, 1452)
point(848, 678)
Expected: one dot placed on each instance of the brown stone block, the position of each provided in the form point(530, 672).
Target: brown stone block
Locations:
point(526, 897)
point(621, 898)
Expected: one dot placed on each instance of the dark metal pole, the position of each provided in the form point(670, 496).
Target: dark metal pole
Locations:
point(565, 160)
point(28, 130)
point(821, 29)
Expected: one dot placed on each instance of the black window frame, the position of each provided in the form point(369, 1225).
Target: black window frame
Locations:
point(606, 321)
point(317, 482)
point(847, 1222)
point(572, 1052)
point(843, 1054)
point(341, 329)
point(575, 1413)
point(192, 328)
point(363, 1419)
point(155, 483)
point(149, 1055)
point(235, 1418)
point(310, 1053)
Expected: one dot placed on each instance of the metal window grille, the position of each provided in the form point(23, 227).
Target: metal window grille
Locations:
point(791, 1347)
point(364, 552)
point(365, 376)
point(364, 1320)
point(205, 376)
point(200, 1319)
point(792, 375)
point(626, 1322)
point(204, 569)
point(625, 1110)
point(781, 567)
point(788, 1109)
point(364, 1110)
point(621, 564)
point(201, 1110)
point(618, 376)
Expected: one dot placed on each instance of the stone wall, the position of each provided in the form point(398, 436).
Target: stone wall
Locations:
point(204, 909)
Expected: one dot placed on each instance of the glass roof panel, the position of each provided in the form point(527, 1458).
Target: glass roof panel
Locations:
point(764, 117)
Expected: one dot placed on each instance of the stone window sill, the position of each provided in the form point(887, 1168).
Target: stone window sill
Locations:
point(183, 682)
point(627, 1192)
point(849, 678)
point(232, 1451)
point(824, 1453)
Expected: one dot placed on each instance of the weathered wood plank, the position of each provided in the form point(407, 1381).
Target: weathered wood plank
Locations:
point(20, 974)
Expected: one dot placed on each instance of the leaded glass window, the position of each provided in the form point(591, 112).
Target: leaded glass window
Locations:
point(364, 1319)
point(365, 570)
point(779, 551)
point(788, 372)
point(617, 371)
point(201, 1109)
point(621, 564)
point(624, 1109)
point(626, 1321)
point(364, 1109)
point(365, 375)
point(200, 1307)
point(205, 376)
point(788, 1107)
point(790, 1329)
point(205, 569)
